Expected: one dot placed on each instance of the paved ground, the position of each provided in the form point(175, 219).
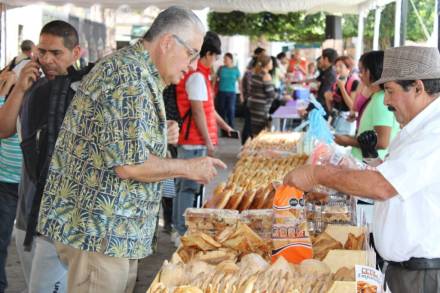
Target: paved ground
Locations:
point(149, 266)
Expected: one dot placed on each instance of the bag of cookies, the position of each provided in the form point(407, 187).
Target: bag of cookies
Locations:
point(290, 236)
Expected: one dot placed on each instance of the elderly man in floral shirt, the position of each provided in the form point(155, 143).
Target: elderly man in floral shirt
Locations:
point(103, 190)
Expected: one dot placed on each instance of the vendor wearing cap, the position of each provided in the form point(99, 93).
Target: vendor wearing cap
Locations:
point(405, 186)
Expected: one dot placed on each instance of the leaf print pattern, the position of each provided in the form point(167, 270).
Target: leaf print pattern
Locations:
point(117, 117)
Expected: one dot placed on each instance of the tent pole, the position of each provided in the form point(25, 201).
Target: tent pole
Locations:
point(397, 23)
point(404, 18)
point(377, 16)
point(437, 5)
point(360, 37)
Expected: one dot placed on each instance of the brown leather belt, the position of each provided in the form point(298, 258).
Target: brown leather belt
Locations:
point(418, 264)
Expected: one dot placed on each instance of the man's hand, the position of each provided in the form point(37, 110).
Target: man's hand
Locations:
point(302, 178)
point(203, 170)
point(28, 75)
point(172, 132)
point(10, 78)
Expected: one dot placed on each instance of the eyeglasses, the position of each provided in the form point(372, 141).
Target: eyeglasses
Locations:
point(193, 54)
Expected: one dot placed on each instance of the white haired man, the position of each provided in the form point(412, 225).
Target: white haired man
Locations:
point(103, 191)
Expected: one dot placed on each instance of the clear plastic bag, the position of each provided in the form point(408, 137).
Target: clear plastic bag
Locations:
point(325, 154)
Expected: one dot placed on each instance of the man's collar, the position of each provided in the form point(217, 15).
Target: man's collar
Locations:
point(145, 58)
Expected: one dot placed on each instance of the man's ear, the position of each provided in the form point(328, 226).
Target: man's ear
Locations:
point(419, 87)
point(165, 42)
point(76, 52)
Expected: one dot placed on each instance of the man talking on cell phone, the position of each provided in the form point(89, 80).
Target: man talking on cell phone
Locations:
point(35, 109)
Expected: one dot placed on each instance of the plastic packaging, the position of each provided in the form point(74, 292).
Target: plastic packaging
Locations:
point(290, 236)
point(260, 221)
point(210, 221)
point(319, 130)
point(325, 154)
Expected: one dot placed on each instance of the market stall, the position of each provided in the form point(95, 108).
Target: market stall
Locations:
point(257, 235)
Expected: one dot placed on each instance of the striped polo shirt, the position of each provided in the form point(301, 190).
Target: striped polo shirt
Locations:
point(10, 157)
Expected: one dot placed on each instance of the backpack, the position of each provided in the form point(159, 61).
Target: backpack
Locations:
point(171, 107)
point(45, 123)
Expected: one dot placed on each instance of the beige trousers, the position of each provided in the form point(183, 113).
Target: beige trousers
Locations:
point(93, 272)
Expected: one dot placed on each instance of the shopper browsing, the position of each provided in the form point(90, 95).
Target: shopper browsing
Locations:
point(103, 191)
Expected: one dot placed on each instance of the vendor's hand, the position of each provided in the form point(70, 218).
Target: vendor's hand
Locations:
point(302, 178)
point(172, 132)
point(28, 75)
point(344, 140)
point(203, 170)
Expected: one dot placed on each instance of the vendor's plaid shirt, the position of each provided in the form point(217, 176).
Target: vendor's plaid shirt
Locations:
point(116, 118)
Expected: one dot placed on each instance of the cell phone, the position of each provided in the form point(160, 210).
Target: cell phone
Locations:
point(234, 134)
point(40, 70)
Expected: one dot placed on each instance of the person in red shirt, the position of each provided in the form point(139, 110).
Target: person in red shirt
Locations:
point(198, 136)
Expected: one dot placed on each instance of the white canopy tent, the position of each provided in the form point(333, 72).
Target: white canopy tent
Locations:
point(360, 7)
point(275, 6)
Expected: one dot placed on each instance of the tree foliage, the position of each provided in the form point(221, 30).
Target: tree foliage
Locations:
point(426, 9)
point(294, 26)
point(303, 28)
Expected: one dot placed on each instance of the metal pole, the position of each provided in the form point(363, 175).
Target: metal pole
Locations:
point(360, 37)
point(403, 17)
point(397, 23)
point(376, 28)
point(437, 4)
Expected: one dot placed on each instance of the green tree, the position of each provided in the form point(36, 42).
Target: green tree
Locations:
point(295, 26)
point(303, 28)
point(426, 9)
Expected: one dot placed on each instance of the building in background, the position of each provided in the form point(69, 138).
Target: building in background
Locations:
point(95, 27)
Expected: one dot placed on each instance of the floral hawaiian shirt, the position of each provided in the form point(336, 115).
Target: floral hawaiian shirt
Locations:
point(117, 117)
